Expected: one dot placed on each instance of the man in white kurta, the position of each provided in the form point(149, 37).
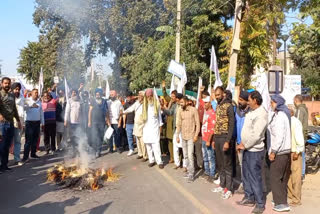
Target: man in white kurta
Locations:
point(151, 129)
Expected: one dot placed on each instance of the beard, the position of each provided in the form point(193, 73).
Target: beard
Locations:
point(150, 100)
point(219, 100)
point(184, 107)
point(99, 100)
point(242, 107)
point(113, 98)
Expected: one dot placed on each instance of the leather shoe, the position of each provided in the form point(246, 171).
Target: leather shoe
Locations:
point(246, 202)
point(161, 166)
point(139, 157)
point(151, 164)
point(258, 210)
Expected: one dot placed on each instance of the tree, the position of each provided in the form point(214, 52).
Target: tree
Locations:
point(305, 47)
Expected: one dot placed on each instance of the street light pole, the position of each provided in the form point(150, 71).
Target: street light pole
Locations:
point(285, 38)
point(177, 58)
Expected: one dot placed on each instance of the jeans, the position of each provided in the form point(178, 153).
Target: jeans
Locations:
point(97, 136)
point(50, 136)
point(303, 163)
point(115, 138)
point(17, 144)
point(188, 149)
point(252, 177)
point(129, 130)
point(208, 159)
point(7, 130)
point(32, 136)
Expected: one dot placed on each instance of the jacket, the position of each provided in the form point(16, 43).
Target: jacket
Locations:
point(254, 128)
point(302, 115)
point(297, 140)
point(280, 134)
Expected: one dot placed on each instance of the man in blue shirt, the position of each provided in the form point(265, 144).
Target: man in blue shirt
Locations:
point(241, 111)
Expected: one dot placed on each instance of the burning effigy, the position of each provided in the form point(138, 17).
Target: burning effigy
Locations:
point(78, 178)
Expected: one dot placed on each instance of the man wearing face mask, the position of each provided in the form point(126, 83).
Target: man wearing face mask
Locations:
point(98, 118)
point(60, 111)
point(221, 142)
point(242, 109)
point(115, 110)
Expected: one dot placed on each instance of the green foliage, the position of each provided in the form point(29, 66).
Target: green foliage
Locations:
point(306, 54)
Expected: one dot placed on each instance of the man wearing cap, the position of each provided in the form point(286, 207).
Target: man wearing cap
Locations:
point(208, 123)
point(115, 110)
point(98, 118)
point(151, 116)
point(242, 109)
point(138, 126)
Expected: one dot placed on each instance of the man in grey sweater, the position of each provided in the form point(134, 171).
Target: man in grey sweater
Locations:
point(252, 142)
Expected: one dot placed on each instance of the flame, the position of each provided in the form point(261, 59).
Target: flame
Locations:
point(93, 178)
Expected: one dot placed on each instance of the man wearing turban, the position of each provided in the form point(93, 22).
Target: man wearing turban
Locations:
point(151, 117)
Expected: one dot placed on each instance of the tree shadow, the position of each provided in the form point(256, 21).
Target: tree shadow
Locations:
point(26, 184)
point(48, 207)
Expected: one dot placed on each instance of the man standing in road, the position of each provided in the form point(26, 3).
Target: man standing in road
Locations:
point(115, 110)
point(302, 114)
point(297, 148)
point(98, 118)
point(8, 111)
point(128, 122)
point(49, 106)
point(16, 88)
point(151, 116)
point(189, 126)
point(279, 152)
point(138, 126)
point(252, 145)
point(209, 120)
point(221, 142)
point(242, 109)
point(34, 118)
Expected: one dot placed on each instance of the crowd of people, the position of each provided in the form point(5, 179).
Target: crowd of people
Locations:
point(223, 139)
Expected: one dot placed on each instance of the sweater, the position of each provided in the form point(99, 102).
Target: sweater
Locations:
point(253, 130)
point(49, 111)
point(280, 134)
point(297, 140)
point(225, 120)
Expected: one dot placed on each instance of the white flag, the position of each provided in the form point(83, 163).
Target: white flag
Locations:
point(107, 90)
point(214, 68)
point(67, 90)
point(183, 80)
point(198, 96)
point(172, 85)
point(40, 87)
point(92, 70)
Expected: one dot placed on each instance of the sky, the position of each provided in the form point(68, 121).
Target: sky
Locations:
point(17, 29)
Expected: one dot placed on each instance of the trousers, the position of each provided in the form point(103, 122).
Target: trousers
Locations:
point(224, 162)
point(50, 136)
point(188, 150)
point(17, 144)
point(7, 131)
point(279, 176)
point(154, 152)
point(295, 181)
point(252, 177)
point(176, 152)
point(208, 159)
point(142, 151)
point(32, 135)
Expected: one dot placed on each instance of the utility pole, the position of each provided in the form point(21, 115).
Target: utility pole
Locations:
point(177, 58)
point(235, 48)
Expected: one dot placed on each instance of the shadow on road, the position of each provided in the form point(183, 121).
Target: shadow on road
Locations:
point(24, 185)
point(98, 210)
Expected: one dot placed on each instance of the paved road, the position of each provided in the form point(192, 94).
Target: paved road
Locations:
point(140, 190)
